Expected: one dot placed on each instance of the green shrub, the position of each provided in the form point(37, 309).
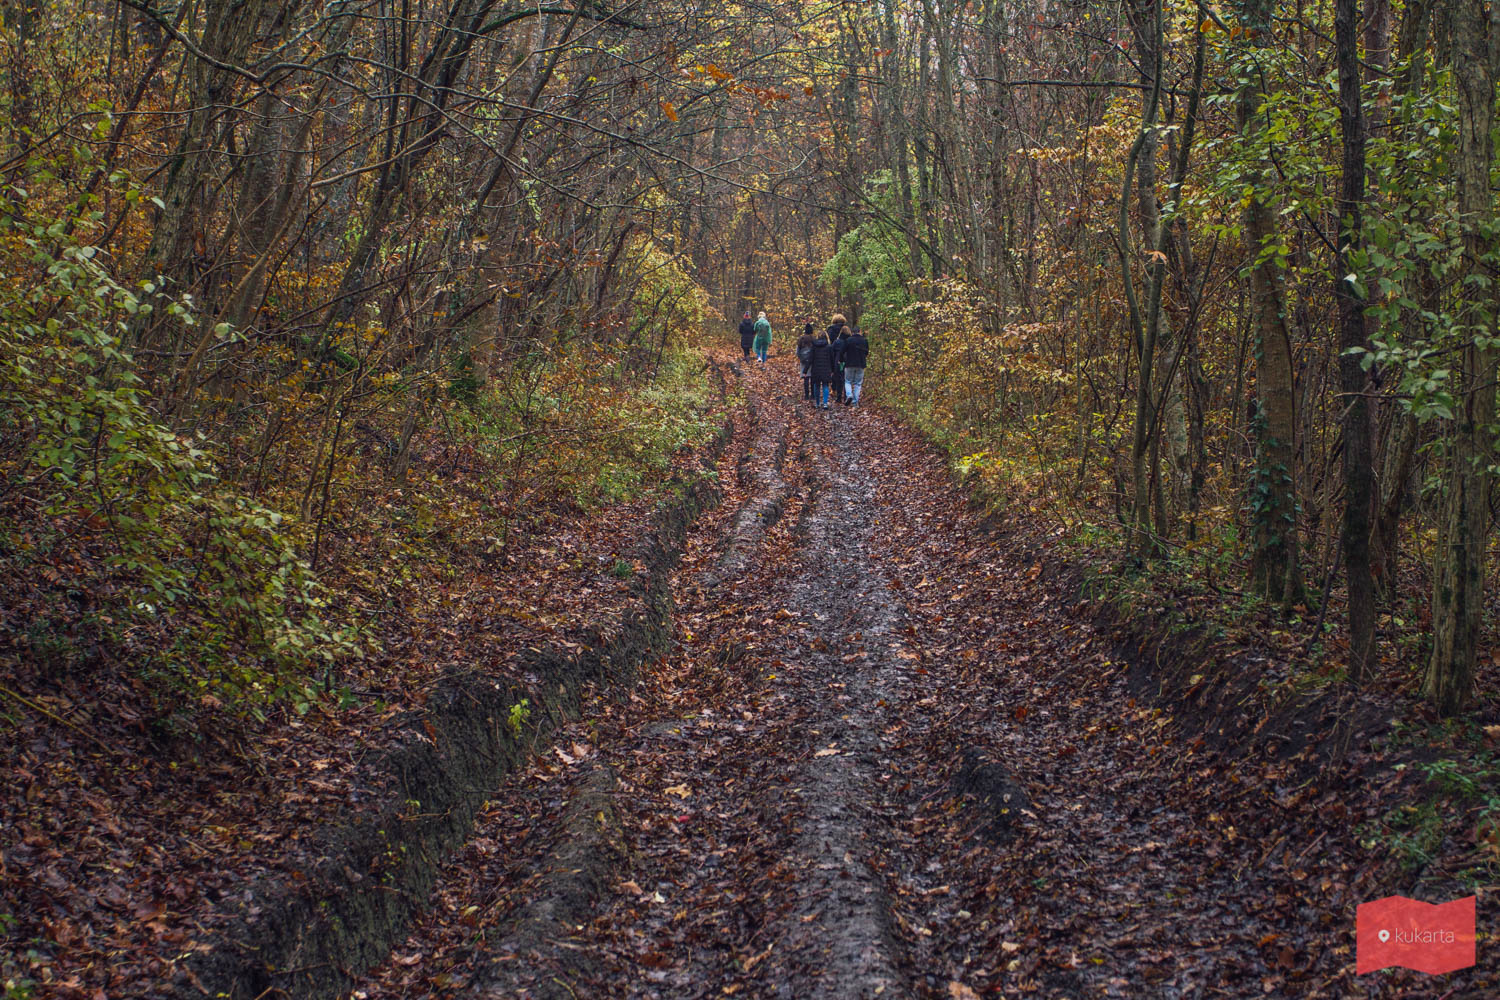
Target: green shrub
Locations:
point(181, 552)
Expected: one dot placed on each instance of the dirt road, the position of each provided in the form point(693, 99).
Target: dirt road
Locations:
point(879, 763)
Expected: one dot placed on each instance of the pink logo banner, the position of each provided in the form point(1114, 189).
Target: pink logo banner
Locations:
point(1428, 937)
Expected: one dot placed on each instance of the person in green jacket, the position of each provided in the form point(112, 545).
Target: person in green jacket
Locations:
point(762, 337)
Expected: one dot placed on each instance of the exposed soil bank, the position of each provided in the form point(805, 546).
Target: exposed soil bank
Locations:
point(308, 937)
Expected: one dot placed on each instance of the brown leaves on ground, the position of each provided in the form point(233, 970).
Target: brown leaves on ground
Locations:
point(120, 839)
point(1152, 861)
point(1153, 858)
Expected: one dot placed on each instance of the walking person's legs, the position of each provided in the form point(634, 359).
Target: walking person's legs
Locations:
point(854, 381)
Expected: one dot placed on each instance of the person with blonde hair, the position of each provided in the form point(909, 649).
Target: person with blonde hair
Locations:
point(836, 349)
point(820, 368)
point(835, 326)
point(762, 337)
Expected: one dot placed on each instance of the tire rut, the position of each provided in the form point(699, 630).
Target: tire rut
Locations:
point(766, 500)
point(840, 938)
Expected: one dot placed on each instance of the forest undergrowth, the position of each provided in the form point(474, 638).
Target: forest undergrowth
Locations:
point(152, 776)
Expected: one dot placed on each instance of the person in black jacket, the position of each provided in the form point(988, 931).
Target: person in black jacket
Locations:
point(835, 326)
point(837, 347)
point(820, 364)
point(747, 335)
point(804, 357)
point(856, 353)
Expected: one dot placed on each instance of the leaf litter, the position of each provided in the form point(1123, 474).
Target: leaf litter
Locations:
point(1148, 859)
point(1141, 859)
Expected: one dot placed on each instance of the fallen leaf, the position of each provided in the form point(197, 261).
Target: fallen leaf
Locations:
point(754, 960)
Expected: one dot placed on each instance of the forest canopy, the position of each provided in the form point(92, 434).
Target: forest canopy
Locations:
point(1209, 282)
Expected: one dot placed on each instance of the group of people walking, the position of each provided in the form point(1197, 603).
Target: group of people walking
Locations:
point(833, 363)
point(833, 360)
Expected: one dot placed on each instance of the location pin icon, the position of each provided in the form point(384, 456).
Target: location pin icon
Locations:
point(1384, 936)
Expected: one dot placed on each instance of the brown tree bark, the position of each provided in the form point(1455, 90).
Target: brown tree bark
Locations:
point(1463, 534)
point(1359, 473)
point(1275, 557)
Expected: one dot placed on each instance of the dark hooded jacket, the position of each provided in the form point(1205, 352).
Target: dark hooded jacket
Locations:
point(820, 362)
point(856, 351)
point(747, 332)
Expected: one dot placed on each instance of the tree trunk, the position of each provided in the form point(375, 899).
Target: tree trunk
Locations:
point(229, 30)
point(1149, 330)
point(1140, 166)
point(1275, 564)
point(1463, 535)
point(1359, 473)
point(1400, 455)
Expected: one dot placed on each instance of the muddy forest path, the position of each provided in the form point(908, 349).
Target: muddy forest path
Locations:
point(880, 762)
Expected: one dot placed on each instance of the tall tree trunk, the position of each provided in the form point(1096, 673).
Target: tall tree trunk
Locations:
point(417, 120)
point(528, 87)
point(1359, 472)
point(1400, 443)
point(229, 29)
point(1151, 330)
point(898, 132)
point(998, 160)
point(922, 143)
point(1140, 167)
point(1275, 558)
point(1463, 535)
